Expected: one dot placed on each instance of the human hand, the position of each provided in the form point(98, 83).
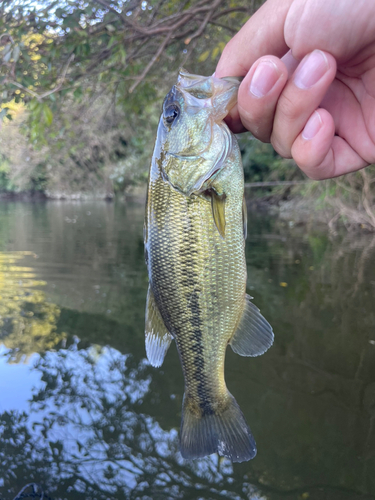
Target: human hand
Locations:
point(315, 103)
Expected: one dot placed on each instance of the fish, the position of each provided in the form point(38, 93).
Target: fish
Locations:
point(194, 239)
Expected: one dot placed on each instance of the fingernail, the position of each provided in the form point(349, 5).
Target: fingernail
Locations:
point(264, 78)
point(312, 127)
point(311, 69)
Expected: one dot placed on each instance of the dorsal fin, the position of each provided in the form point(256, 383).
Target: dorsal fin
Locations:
point(254, 334)
point(158, 339)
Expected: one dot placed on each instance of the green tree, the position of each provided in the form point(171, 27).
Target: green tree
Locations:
point(92, 75)
point(50, 49)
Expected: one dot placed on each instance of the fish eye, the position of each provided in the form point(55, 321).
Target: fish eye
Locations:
point(171, 113)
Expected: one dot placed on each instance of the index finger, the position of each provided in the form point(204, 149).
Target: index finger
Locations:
point(263, 34)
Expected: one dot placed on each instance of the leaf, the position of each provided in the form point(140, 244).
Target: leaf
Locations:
point(7, 52)
point(33, 104)
point(215, 53)
point(16, 53)
point(59, 12)
point(77, 92)
point(3, 113)
point(122, 53)
point(48, 115)
point(203, 56)
point(112, 40)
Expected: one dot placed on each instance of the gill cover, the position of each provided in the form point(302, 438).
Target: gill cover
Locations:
point(196, 143)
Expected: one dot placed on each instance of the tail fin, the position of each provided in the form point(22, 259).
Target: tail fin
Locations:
point(226, 433)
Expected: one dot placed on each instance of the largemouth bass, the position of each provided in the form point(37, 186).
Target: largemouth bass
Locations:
point(195, 231)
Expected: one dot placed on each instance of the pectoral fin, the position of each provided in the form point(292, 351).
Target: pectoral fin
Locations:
point(254, 334)
point(158, 339)
point(218, 212)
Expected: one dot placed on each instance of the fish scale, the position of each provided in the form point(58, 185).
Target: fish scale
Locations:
point(194, 274)
point(195, 253)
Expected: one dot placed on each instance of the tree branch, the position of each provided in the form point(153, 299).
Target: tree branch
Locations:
point(151, 63)
point(202, 27)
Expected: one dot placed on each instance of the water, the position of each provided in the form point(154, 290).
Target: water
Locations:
point(84, 415)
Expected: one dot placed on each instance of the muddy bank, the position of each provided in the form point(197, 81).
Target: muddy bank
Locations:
point(23, 196)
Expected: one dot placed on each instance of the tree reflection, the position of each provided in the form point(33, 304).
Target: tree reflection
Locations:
point(102, 424)
point(27, 320)
point(94, 438)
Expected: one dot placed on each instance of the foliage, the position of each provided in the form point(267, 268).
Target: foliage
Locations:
point(91, 149)
point(262, 163)
point(91, 73)
point(95, 149)
point(49, 50)
point(21, 165)
point(351, 199)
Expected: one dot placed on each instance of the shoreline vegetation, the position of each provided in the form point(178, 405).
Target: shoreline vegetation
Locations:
point(82, 87)
point(296, 202)
point(110, 163)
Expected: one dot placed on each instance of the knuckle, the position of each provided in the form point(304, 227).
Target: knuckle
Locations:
point(279, 147)
point(288, 108)
point(317, 172)
point(257, 125)
point(315, 168)
point(261, 134)
point(255, 117)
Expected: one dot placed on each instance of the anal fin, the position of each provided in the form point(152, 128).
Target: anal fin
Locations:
point(254, 334)
point(158, 339)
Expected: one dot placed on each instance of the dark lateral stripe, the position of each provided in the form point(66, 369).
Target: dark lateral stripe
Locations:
point(189, 264)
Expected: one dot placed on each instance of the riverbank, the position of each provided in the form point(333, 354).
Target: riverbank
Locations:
point(23, 196)
point(46, 195)
point(291, 205)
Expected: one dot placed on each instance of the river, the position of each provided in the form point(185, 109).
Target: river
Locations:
point(84, 416)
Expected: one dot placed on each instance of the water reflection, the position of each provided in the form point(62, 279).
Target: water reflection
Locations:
point(85, 433)
point(98, 436)
point(88, 418)
point(27, 320)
